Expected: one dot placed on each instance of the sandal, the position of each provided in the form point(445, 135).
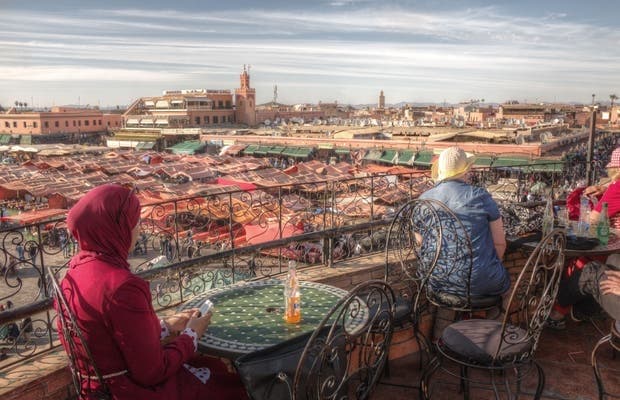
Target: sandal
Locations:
point(556, 324)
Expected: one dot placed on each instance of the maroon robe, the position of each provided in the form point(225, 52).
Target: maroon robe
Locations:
point(114, 311)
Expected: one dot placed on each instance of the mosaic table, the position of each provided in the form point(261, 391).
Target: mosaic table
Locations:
point(249, 316)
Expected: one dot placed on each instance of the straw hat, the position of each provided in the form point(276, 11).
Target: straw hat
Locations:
point(452, 163)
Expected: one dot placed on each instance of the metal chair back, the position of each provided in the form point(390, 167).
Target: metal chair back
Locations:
point(78, 352)
point(345, 356)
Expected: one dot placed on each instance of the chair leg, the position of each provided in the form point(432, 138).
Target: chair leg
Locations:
point(541, 381)
point(597, 372)
point(465, 382)
point(432, 367)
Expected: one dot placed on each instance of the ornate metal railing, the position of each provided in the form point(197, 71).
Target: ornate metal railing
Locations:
point(192, 244)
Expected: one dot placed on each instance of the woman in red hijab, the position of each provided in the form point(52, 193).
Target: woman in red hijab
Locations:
point(115, 314)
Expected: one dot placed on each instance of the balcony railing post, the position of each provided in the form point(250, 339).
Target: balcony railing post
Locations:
point(176, 230)
point(372, 197)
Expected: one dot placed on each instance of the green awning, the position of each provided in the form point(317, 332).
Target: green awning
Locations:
point(289, 151)
point(303, 152)
point(326, 146)
point(187, 147)
point(484, 160)
point(277, 150)
point(373, 155)
point(405, 157)
point(25, 139)
point(5, 139)
point(388, 156)
point(545, 165)
point(250, 149)
point(262, 151)
point(510, 162)
point(423, 158)
point(145, 145)
point(342, 150)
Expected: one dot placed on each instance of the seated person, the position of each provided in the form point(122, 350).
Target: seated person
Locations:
point(114, 311)
point(612, 197)
point(480, 216)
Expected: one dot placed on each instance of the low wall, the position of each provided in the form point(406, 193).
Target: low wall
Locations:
point(47, 377)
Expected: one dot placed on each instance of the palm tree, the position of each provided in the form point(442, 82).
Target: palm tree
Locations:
point(16, 103)
point(25, 105)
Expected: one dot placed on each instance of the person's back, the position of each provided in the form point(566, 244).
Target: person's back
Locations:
point(479, 215)
point(472, 205)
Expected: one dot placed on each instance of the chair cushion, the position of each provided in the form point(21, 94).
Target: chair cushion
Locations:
point(476, 340)
point(452, 300)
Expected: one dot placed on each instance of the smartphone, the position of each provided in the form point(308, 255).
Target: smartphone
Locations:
point(206, 307)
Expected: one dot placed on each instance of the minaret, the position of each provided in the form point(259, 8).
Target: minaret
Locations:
point(245, 100)
point(381, 100)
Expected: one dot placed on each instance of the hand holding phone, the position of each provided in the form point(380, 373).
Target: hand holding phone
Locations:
point(206, 307)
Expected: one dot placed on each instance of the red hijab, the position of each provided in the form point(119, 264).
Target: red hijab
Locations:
point(102, 222)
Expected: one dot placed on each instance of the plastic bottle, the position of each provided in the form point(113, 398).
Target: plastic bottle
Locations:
point(292, 296)
point(602, 227)
point(584, 216)
point(547, 222)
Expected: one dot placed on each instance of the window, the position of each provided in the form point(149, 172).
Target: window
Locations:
point(215, 121)
point(56, 124)
point(25, 126)
point(230, 118)
point(220, 104)
point(7, 124)
point(66, 124)
point(73, 122)
point(206, 120)
point(46, 124)
point(86, 122)
point(79, 123)
point(99, 122)
point(34, 124)
point(228, 105)
point(14, 124)
point(197, 119)
point(94, 122)
point(108, 123)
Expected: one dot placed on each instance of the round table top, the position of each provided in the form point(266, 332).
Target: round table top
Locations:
point(249, 316)
point(613, 246)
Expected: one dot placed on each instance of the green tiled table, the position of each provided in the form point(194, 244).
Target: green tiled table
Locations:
point(249, 316)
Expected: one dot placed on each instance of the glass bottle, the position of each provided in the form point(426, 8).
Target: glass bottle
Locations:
point(292, 295)
point(547, 222)
point(584, 216)
point(602, 227)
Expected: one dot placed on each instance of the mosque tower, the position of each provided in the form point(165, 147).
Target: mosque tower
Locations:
point(245, 100)
point(381, 101)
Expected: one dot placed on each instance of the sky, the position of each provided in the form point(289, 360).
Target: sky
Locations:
point(112, 52)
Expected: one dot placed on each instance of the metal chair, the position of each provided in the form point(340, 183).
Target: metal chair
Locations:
point(499, 347)
point(80, 357)
point(613, 338)
point(450, 277)
point(343, 358)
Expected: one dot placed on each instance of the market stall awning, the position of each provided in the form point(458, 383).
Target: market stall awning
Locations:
point(483, 160)
point(276, 150)
point(262, 151)
point(290, 152)
point(511, 162)
point(187, 147)
point(388, 156)
point(373, 155)
point(250, 149)
point(302, 152)
point(31, 217)
point(326, 146)
point(342, 150)
point(405, 157)
point(145, 145)
point(545, 165)
point(423, 158)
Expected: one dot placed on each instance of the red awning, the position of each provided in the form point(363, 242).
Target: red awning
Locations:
point(31, 217)
point(246, 186)
point(256, 234)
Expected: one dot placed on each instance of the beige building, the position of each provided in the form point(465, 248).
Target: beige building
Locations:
point(59, 120)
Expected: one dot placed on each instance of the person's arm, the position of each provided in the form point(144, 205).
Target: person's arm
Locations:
point(499, 237)
point(136, 329)
point(611, 285)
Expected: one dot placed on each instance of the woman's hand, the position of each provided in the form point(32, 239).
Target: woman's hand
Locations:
point(611, 285)
point(594, 190)
point(177, 322)
point(199, 324)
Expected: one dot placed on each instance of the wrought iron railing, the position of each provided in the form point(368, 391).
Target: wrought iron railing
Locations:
point(192, 244)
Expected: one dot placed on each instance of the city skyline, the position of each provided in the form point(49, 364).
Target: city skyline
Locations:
point(345, 50)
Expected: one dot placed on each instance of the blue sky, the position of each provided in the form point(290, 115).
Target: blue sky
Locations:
point(112, 52)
